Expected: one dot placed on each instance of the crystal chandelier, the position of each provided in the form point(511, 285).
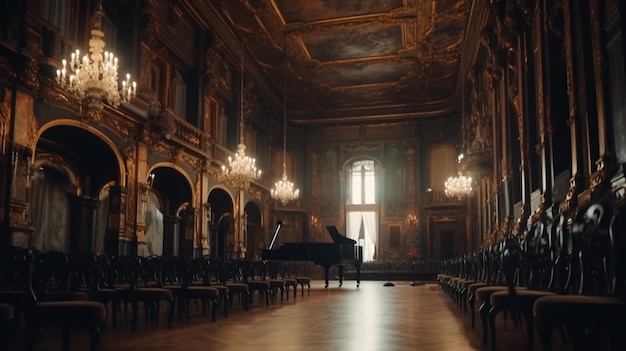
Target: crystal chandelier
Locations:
point(242, 169)
point(459, 186)
point(283, 189)
point(93, 77)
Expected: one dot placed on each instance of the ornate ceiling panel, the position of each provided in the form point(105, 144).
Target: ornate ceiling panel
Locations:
point(387, 59)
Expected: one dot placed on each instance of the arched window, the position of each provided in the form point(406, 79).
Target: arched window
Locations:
point(361, 207)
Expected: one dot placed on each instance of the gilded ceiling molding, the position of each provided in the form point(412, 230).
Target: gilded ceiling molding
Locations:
point(175, 19)
point(124, 128)
point(194, 162)
point(30, 76)
point(151, 28)
point(147, 56)
point(397, 16)
point(218, 72)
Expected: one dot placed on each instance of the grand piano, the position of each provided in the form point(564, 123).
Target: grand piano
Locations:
point(342, 251)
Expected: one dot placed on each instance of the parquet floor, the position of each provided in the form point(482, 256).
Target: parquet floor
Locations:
point(371, 317)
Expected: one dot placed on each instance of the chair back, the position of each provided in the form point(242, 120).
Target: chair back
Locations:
point(591, 233)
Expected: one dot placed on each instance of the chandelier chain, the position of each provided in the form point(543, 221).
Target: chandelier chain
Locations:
point(284, 189)
point(242, 169)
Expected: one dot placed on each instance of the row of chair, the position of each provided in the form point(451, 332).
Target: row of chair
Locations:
point(563, 273)
point(70, 290)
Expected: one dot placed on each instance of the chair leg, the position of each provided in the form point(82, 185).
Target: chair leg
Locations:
point(493, 312)
point(66, 337)
point(170, 317)
point(484, 314)
point(95, 333)
point(31, 334)
point(226, 302)
point(216, 304)
point(114, 306)
point(545, 334)
point(472, 300)
point(134, 305)
point(530, 327)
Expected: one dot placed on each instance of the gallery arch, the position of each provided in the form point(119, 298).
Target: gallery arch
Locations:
point(169, 213)
point(65, 173)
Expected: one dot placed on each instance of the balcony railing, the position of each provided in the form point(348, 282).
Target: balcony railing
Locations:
point(439, 198)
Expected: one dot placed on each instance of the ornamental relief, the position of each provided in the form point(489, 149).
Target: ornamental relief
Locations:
point(219, 75)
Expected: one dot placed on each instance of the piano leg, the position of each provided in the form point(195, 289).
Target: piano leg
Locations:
point(358, 274)
point(340, 269)
point(326, 273)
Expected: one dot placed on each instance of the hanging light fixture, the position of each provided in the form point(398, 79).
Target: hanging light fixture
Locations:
point(242, 169)
point(93, 77)
point(459, 186)
point(283, 189)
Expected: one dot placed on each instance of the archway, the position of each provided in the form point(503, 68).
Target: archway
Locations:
point(66, 189)
point(169, 216)
point(221, 224)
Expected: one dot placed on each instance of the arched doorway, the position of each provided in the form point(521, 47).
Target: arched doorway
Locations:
point(68, 198)
point(221, 223)
point(169, 217)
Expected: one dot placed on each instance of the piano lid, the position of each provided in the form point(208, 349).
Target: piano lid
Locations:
point(338, 237)
point(279, 224)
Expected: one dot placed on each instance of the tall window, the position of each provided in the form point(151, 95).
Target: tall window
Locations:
point(57, 13)
point(363, 185)
point(180, 94)
point(361, 208)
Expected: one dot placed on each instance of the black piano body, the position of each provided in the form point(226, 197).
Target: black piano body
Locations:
point(342, 251)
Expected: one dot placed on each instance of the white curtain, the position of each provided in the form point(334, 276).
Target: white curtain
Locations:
point(154, 226)
point(371, 235)
point(368, 218)
point(354, 224)
point(57, 13)
point(50, 211)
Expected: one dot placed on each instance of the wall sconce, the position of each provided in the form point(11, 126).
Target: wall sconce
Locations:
point(209, 212)
point(145, 187)
point(412, 220)
point(150, 180)
point(314, 222)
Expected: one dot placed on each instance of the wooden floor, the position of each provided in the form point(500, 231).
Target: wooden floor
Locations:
point(371, 317)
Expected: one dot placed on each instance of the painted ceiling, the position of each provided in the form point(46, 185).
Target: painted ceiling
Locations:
point(357, 60)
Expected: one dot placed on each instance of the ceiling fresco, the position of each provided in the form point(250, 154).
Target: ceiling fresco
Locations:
point(378, 59)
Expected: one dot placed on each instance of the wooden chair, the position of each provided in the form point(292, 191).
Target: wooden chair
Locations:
point(253, 277)
point(186, 291)
point(268, 271)
point(139, 280)
point(205, 275)
point(497, 283)
point(14, 282)
point(55, 311)
point(281, 269)
point(91, 279)
point(230, 274)
point(599, 245)
point(535, 261)
point(303, 277)
point(483, 280)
